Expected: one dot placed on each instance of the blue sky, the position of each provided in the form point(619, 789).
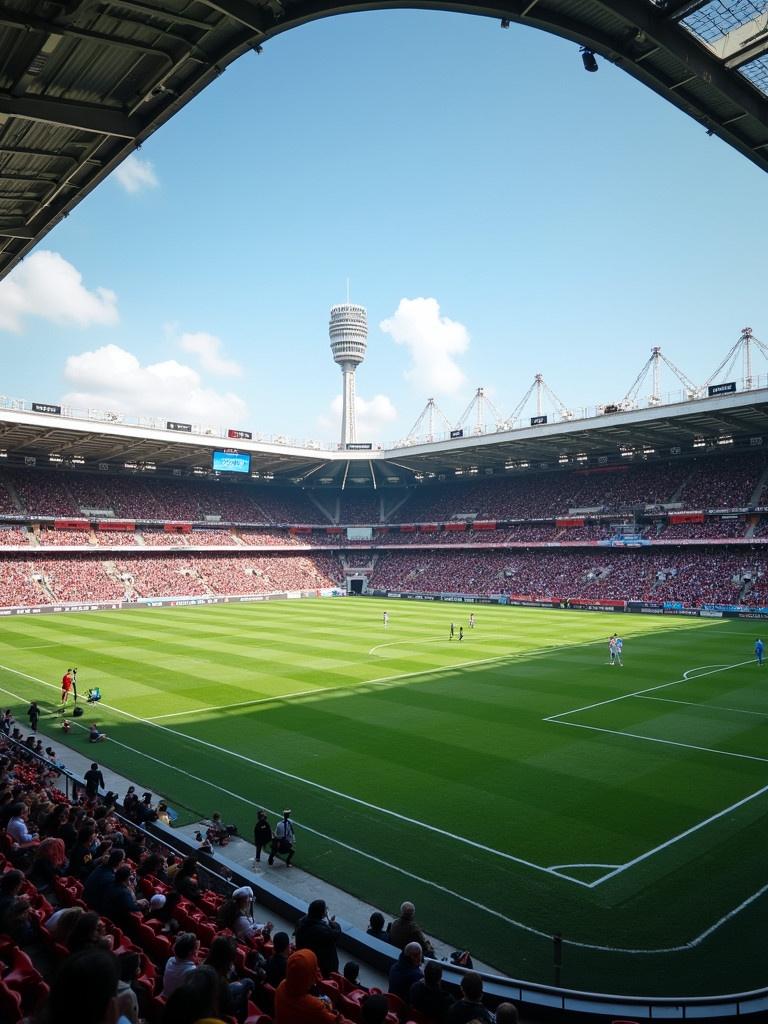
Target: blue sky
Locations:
point(560, 222)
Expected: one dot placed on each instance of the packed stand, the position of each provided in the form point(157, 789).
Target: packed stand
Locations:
point(161, 577)
point(270, 538)
point(116, 538)
point(42, 493)
point(712, 527)
point(163, 539)
point(722, 482)
point(63, 538)
point(13, 536)
point(712, 576)
point(211, 537)
point(81, 579)
point(297, 572)
point(355, 507)
point(7, 504)
point(95, 910)
point(126, 497)
point(19, 588)
point(630, 486)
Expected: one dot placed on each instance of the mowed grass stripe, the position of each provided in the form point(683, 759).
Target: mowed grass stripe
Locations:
point(523, 766)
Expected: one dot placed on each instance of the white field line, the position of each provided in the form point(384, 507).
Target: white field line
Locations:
point(317, 785)
point(648, 689)
point(689, 831)
point(551, 644)
point(668, 743)
point(355, 685)
point(638, 951)
point(701, 668)
point(558, 867)
point(714, 707)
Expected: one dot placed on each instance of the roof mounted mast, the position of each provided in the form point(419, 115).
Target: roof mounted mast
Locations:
point(541, 388)
point(742, 347)
point(478, 405)
point(427, 418)
point(653, 366)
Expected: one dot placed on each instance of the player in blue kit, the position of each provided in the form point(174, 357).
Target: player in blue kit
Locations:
point(619, 647)
point(759, 648)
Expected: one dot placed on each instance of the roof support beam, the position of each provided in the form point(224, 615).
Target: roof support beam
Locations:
point(79, 116)
point(17, 230)
point(753, 45)
point(241, 11)
point(700, 61)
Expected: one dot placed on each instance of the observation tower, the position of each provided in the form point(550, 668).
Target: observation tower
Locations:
point(348, 330)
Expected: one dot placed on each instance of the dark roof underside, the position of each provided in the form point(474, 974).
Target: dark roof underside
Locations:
point(84, 82)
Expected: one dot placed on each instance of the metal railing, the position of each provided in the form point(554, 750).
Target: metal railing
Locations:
point(214, 431)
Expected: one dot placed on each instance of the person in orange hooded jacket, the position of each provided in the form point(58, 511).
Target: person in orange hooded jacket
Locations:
point(294, 1003)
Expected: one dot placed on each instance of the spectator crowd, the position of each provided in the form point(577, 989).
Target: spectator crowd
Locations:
point(100, 918)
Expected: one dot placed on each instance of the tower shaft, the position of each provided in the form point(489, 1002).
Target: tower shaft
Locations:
point(348, 414)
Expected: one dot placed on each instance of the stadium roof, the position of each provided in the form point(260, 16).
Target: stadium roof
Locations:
point(84, 82)
point(711, 424)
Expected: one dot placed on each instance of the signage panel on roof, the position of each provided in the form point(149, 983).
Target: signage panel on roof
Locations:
point(722, 389)
point(53, 410)
point(173, 425)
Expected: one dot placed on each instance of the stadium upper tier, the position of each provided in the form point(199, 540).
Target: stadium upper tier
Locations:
point(711, 481)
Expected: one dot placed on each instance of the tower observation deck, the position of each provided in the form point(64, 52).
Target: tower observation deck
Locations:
point(348, 330)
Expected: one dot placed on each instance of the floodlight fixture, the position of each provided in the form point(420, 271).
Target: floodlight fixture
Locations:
point(588, 59)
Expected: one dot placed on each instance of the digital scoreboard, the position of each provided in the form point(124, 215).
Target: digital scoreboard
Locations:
point(231, 462)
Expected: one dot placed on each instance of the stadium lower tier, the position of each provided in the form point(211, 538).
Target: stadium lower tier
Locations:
point(693, 576)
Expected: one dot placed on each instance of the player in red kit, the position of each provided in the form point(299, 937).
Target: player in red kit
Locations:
point(66, 686)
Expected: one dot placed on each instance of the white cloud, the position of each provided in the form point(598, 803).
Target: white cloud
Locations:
point(432, 341)
point(135, 174)
point(46, 285)
point(113, 379)
point(208, 348)
point(373, 416)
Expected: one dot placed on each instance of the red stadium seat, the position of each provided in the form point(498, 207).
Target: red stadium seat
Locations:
point(330, 989)
point(350, 1008)
point(396, 1004)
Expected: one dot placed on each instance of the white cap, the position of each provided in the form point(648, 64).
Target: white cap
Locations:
point(157, 901)
point(244, 890)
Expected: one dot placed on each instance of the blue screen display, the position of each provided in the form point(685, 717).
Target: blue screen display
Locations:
point(231, 462)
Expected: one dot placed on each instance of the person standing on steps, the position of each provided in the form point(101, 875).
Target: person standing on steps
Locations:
point(262, 833)
point(34, 715)
point(284, 841)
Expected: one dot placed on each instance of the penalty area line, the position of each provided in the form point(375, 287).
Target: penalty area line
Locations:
point(648, 689)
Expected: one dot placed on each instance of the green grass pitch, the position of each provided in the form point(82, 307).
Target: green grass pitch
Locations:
point(512, 784)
